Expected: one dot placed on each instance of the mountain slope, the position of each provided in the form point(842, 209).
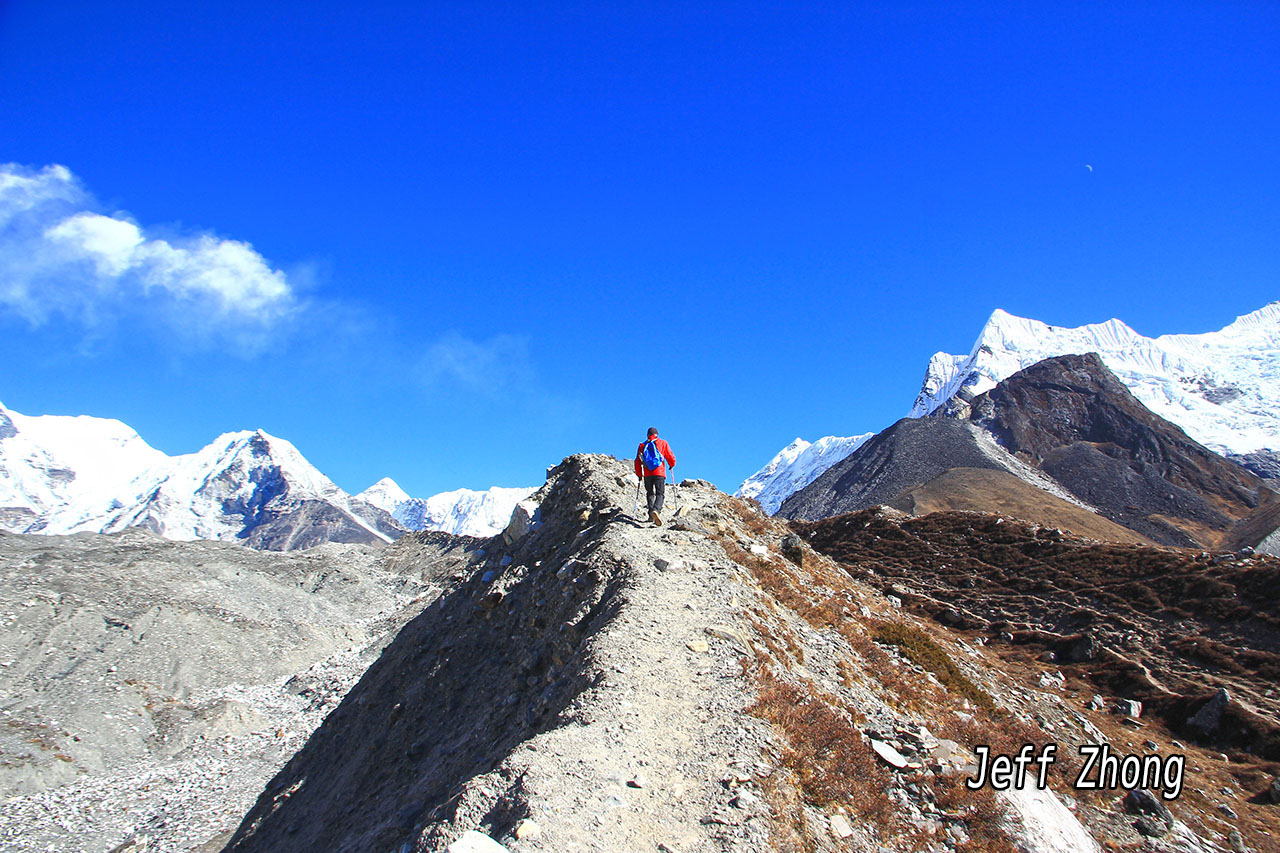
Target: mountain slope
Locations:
point(1074, 420)
point(905, 456)
point(993, 491)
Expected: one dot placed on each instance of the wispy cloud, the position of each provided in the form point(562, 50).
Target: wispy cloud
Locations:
point(494, 366)
point(62, 257)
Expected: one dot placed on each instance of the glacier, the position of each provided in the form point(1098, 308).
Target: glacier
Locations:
point(1222, 388)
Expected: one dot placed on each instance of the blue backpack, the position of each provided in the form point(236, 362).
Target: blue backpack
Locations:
point(651, 458)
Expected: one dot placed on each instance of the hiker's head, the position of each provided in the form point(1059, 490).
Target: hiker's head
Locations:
point(652, 432)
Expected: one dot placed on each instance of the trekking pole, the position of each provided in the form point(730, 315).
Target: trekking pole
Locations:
point(675, 502)
point(636, 507)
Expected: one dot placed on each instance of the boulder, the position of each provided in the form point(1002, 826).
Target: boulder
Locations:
point(1209, 717)
point(523, 517)
point(791, 549)
point(1142, 801)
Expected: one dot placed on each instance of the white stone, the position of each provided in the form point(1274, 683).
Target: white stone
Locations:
point(890, 755)
point(475, 842)
point(840, 827)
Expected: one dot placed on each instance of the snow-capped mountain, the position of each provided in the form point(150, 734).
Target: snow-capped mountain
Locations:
point(385, 494)
point(62, 475)
point(466, 512)
point(463, 511)
point(1222, 388)
point(796, 466)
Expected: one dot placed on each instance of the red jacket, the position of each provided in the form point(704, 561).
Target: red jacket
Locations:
point(661, 470)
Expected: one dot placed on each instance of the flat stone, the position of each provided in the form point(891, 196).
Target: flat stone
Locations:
point(727, 632)
point(840, 827)
point(526, 829)
point(889, 755)
point(698, 646)
point(759, 550)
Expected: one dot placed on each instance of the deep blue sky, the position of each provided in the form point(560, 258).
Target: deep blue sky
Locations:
point(738, 222)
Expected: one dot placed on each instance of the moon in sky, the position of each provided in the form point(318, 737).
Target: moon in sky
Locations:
point(1087, 166)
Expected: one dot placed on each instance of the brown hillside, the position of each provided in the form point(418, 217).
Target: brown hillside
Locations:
point(988, 490)
point(1168, 626)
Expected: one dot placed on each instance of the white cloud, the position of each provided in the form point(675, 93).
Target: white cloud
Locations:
point(498, 364)
point(60, 257)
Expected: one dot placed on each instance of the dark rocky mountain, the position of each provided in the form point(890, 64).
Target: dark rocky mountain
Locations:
point(1066, 425)
point(1073, 419)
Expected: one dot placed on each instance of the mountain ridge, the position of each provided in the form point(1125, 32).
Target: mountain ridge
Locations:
point(74, 474)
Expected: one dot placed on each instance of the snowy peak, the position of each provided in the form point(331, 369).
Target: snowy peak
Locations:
point(385, 494)
point(796, 466)
point(1222, 388)
point(465, 512)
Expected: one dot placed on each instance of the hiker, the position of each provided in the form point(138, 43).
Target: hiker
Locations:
point(652, 459)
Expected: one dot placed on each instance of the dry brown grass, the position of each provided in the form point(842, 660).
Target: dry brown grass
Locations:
point(920, 648)
point(981, 812)
point(824, 749)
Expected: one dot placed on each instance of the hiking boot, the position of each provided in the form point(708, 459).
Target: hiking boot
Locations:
point(655, 518)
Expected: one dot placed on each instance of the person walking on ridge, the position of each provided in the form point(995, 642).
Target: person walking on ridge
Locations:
point(652, 458)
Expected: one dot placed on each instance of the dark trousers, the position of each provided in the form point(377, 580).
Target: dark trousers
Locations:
point(654, 491)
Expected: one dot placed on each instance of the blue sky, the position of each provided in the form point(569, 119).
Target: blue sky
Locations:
point(455, 242)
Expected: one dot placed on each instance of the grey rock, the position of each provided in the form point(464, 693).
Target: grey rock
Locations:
point(1274, 790)
point(1142, 801)
point(1209, 717)
point(1151, 826)
point(1128, 707)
